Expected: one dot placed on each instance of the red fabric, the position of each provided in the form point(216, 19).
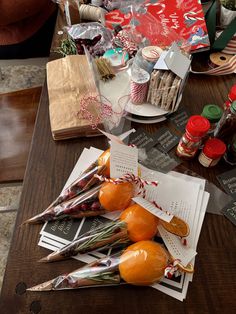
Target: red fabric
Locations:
point(20, 19)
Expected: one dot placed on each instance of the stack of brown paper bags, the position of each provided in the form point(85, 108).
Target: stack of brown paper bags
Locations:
point(69, 80)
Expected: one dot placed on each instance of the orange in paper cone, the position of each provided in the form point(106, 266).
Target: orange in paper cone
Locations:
point(143, 263)
point(114, 197)
point(104, 160)
point(141, 224)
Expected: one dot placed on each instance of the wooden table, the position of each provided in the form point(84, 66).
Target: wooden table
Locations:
point(17, 117)
point(49, 165)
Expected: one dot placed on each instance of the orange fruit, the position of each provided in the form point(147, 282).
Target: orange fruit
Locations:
point(116, 196)
point(104, 160)
point(143, 263)
point(176, 226)
point(141, 224)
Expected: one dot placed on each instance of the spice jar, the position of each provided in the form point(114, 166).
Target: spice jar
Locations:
point(147, 57)
point(212, 113)
point(230, 155)
point(227, 124)
point(211, 153)
point(231, 97)
point(190, 142)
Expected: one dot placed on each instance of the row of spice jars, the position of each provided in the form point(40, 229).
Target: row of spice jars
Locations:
point(216, 123)
point(196, 129)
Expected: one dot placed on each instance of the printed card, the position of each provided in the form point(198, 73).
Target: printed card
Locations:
point(167, 139)
point(65, 230)
point(143, 139)
point(180, 119)
point(159, 161)
point(124, 159)
point(153, 209)
point(228, 182)
point(229, 212)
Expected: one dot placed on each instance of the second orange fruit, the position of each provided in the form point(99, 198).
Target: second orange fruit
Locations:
point(141, 224)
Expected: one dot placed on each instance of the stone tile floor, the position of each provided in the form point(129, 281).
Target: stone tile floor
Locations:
point(9, 202)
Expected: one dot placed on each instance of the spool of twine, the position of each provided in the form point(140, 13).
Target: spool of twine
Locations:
point(139, 85)
point(91, 13)
point(138, 92)
point(218, 58)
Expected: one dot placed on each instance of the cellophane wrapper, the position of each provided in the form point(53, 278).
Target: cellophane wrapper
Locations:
point(108, 271)
point(112, 234)
point(114, 95)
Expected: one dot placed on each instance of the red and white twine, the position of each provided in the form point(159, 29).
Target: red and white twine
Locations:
point(129, 177)
point(172, 269)
point(138, 92)
point(101, 109)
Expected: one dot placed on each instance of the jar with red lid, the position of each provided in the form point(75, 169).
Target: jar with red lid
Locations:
point(231, 97)
point(197, 126)
point(211, 153)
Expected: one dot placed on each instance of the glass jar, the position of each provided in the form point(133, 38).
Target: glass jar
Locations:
point(197, 126)
point(230, 155)
point(227, 124)
point(231, 97)
point(212, 113)
point(147, 57)
point(211, 153)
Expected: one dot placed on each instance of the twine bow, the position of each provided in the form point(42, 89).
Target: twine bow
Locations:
point(129, 177)
point(97, 109)
point(172, 269)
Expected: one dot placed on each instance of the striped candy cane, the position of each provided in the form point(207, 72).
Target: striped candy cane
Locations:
point(191, 16)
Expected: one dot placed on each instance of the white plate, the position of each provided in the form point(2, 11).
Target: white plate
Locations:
point(148, 121)
point(145, 110)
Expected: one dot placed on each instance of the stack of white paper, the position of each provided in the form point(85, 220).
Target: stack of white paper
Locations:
point(179, 194)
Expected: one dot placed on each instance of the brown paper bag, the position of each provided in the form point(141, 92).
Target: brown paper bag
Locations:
point(69, 80)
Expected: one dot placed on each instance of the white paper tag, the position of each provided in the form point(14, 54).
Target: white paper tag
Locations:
point(111, 137)
point(120, 138)
point(176, 248)
point(177, 62)
point(153, 209)
point(124, 159)
point(160, 64)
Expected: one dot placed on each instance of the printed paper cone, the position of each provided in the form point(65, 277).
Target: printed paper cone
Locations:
point(135, 224)
point(109, 235)
point(142, 263)
point(102, 272)
point(97, 201)
point(83, 205)
point(83, 183)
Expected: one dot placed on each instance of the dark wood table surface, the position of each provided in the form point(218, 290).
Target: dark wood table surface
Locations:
point(49, 165)
point(17, 118)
